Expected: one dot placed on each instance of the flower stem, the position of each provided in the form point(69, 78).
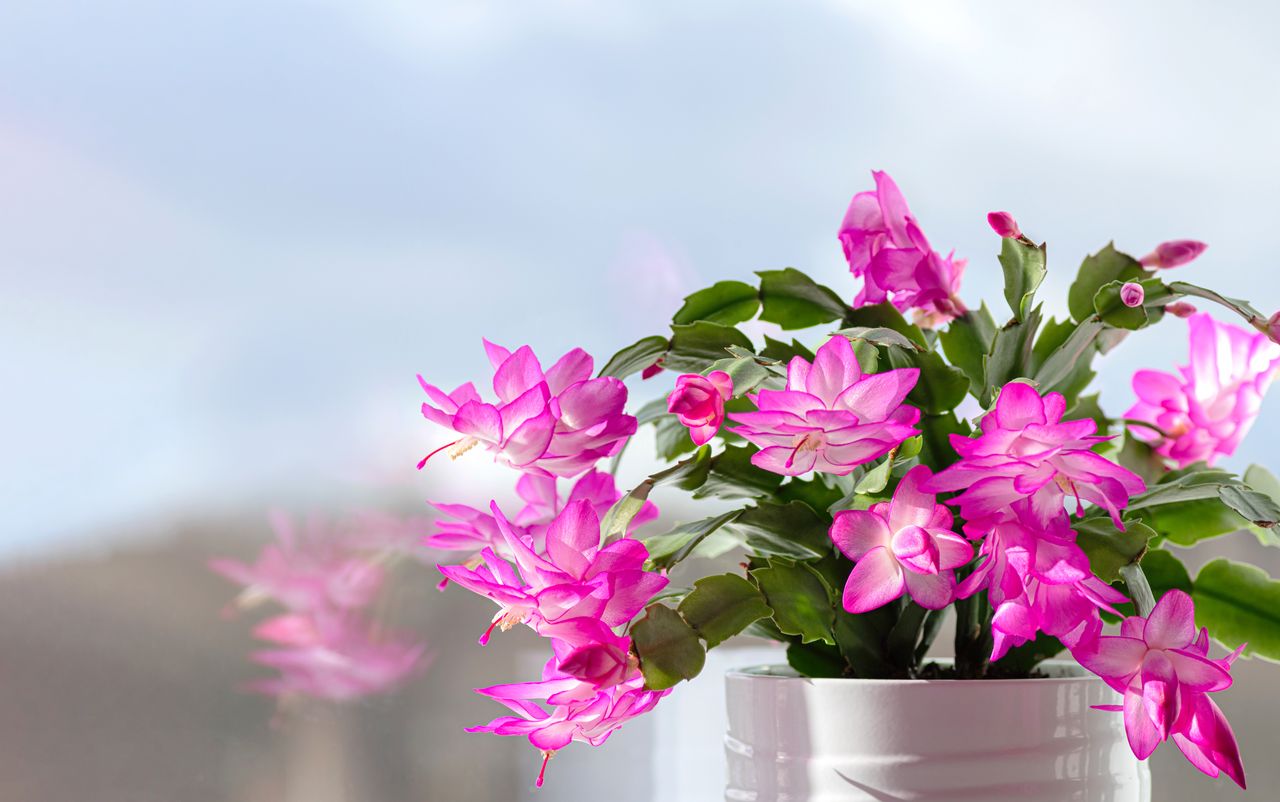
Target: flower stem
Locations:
point(1144, 424)
point(1139, 588)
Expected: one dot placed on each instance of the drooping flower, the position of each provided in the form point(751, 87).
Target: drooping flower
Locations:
point(1027, 451)
point(559, 422)
point(467, 529)
point(1165, 674)
point(1208, 408)
point(830, 418)
point(698, 402)
point(575, 577)
point(1173, 253)
point(1132, 294)
point(1003, 224)
point(885, 247)
point(901, 546)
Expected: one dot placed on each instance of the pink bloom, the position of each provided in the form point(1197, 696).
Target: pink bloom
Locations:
point(830, 418)
point(467, 529)
point(1180, 309)
point(904, 545)
point(576, 577)
point(1165, 674)
point(1003, 224)
point(698, 401)
point(1209, 407)
point(886, 248)
point(333, 657)
point(558, 423)
point(1132, 294)
point(1027, 451)
point(1273, 327)
point(1174, 253)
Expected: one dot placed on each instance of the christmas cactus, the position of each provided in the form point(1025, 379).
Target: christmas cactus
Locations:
point(917, 455)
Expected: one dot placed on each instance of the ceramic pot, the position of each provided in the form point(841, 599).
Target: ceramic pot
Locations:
point(794, 739)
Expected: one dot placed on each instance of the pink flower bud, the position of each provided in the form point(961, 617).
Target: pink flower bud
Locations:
point(1132, 294)
point(698, 401)
point(1004, 224)
point(1173, 253)
point(1273, 328)
point(1180, 309)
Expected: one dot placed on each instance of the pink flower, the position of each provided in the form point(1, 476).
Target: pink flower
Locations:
point(830, 418)
point(698, 401)
point(1003, 224)
point(467, 529)
point(576, 577)
point(1165, 674)
point(1208, 408)
point(1027, 451)
point(904, 545)
point(1180, 309)
point(1174, 253)
point(1273, 327)
point(886, 248)
point(333, 657)
point(558, 423)
point(1132, 294)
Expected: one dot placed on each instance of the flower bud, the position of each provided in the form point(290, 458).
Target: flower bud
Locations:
point(1173, 253)
point(1273, 328)
point(1180, 309)
point(1004, 224)
point(1132, 294)
point(698, 401)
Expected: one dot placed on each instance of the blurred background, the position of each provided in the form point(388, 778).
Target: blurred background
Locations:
point(231, 233)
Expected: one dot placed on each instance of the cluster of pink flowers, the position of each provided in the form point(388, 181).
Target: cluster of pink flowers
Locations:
point(547, 567)
point(1017, 477)
point(1205, 410)
point(831, 417)
point(885, 247)
point(327, 578)
point(557, 422)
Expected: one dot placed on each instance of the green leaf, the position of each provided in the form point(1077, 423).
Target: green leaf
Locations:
point(1242, 308)
point(935, 448)
point(1255, 507)
point(672, 438)
point(1065, 364)
point(635, 357)
point(876, 479)
point(1108, 548)
point(794, 301)
point(785, 530)
point(815, 660)
point(688, 474)
point(1024, 270)
point(967, 341)
point(722, 606)
point(733, 476)
point(939, 388)
point(682, 542)
point(668, 648)
point(1113, 311)
point(1010, 356)
point(905, 635)
point(1050, 339)
point(651, 411)
point(1239, 603)
point(1088, 407)
point(1264, 481)
point(746, 372)
point(800, 599)
point(725, 302)
point(861, 640)
point(694, 346)
point(1104, 267)
point(1141, 458)
point(880, 335)
point(783, 352)
point(884, 316)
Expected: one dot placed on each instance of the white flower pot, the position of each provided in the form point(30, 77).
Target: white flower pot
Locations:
point(792, 739)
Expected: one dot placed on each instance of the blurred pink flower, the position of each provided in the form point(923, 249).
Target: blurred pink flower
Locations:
point(830, 418)
point(1132, 294)
point(1165, 674)
point(1027, 451)
point(1180, 309)
point(1003, 224)
point(886, 248)
point(1207, 408)
point(558, 423)
point(903, 545)
point(698, 401)
point(1174, 253)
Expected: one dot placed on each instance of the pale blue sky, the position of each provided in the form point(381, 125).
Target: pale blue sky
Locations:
point(230, 233)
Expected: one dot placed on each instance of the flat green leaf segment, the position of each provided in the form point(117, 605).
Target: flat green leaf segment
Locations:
point(722, 606)
point(668, 648)
point(1024, 270)
point(725, 302)
point(1239, 604)
point(794, 301)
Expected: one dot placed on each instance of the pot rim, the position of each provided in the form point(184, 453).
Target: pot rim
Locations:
point(1065, 671)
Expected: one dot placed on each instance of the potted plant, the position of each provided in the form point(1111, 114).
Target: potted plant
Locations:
point(919, 455)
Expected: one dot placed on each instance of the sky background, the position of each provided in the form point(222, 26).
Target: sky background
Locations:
point(231, 233)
